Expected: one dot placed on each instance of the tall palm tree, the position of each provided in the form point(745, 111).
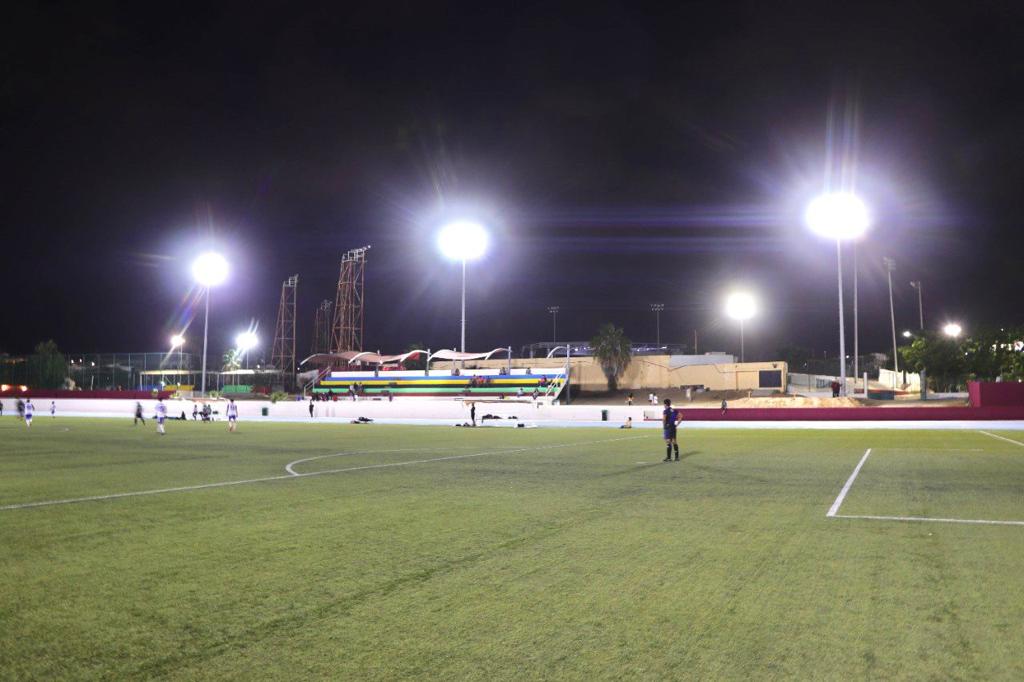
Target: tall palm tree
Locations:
point(612, 350)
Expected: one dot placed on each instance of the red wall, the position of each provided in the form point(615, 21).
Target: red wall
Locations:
point(993, 393)
point(854, 413)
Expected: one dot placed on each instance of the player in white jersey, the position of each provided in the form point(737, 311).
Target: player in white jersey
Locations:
point(29, 407)
point(53, 409)
point(232, 415)
point(161, 415)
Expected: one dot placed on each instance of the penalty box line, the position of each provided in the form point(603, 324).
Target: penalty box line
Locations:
point(834, 509)
point(291, 476)
point(849, 484)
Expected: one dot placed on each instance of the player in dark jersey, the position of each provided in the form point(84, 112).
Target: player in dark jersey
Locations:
point(669, 421)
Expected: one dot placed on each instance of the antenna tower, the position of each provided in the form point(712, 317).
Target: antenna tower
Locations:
point(283, 355)
point(322, 328)
point(347, 330)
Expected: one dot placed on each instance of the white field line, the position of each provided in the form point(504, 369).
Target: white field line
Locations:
point(288, 467)
point(849, 482)
point(983, 522)
point(290, 476)
point(1008, 440)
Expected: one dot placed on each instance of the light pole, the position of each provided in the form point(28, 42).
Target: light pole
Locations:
point(209, 270)
point(920, 304)
point(462, 241)
point(741, 306)
point(838, 216)
point(890, 265)
point(656, 308)
point(178, 341)
point(553, 309)
point(856, 330)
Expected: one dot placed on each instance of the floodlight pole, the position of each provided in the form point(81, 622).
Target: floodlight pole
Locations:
point(743, 357)
point(920, 305)
point(206, 326)
point(856, 331)
point(842, 329)
point(890, 265)
point(463, 308)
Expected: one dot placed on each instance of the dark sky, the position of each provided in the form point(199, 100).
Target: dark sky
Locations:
point(621, 156)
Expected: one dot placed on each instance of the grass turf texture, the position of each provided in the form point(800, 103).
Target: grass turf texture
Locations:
point(551, 556)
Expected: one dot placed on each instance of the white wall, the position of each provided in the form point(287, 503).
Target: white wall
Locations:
point(454, 410)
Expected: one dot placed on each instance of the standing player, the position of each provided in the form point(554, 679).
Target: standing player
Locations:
point(669, 421)
point(161, 415)
point(138, 415)
point(53, 409)
point(232, 415)
point(28, 412)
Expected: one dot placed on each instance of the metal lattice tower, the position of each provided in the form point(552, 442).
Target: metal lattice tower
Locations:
point(347, 330)
point(283, 355)
point(322, 328)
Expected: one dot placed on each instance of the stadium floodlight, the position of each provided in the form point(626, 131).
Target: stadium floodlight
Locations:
point(741, 306)
point(840, 216)
point(952, 329)
point(177, 341)
point(246, 341)
point(907, 333)
point(209, 270)
point(462, 240)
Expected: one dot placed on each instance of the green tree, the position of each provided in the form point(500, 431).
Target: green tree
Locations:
point(942, 358)
point(416, 361)
point(992, 353)
point(612, 350)
point(47, 366)
point(232, 360)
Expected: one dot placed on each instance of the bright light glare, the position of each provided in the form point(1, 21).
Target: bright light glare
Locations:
point(838, 216)
point(907, 334)
point(177, 340)
point(740, 306)
point(210, 269)
point(952, 329)
point(246, 340)
point(462, 240)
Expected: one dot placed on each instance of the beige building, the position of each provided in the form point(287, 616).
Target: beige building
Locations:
point(713, 372)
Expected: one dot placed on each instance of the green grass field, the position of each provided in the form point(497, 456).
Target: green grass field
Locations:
point(523, 554)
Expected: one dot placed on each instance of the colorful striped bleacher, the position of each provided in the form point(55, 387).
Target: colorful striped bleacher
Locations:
point(481, 383)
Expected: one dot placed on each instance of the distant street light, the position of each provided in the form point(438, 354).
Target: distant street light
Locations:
point(463, 241)
point(839, 216)
point(209, 270)
point(657, 309)
point(952, 329)
point(741, 306)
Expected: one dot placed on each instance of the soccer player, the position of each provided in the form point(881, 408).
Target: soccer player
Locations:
point(53, 409)
point(232, 415)
point(138, 415)
point(161, 415)
point(28, 412)
point(669, 421)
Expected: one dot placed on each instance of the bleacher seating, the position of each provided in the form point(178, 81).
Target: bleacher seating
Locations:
point(479, 383)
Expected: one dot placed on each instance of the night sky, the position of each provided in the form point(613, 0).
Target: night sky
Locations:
point(620, 156)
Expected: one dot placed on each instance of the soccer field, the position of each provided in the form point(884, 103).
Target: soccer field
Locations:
point(301, 551)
